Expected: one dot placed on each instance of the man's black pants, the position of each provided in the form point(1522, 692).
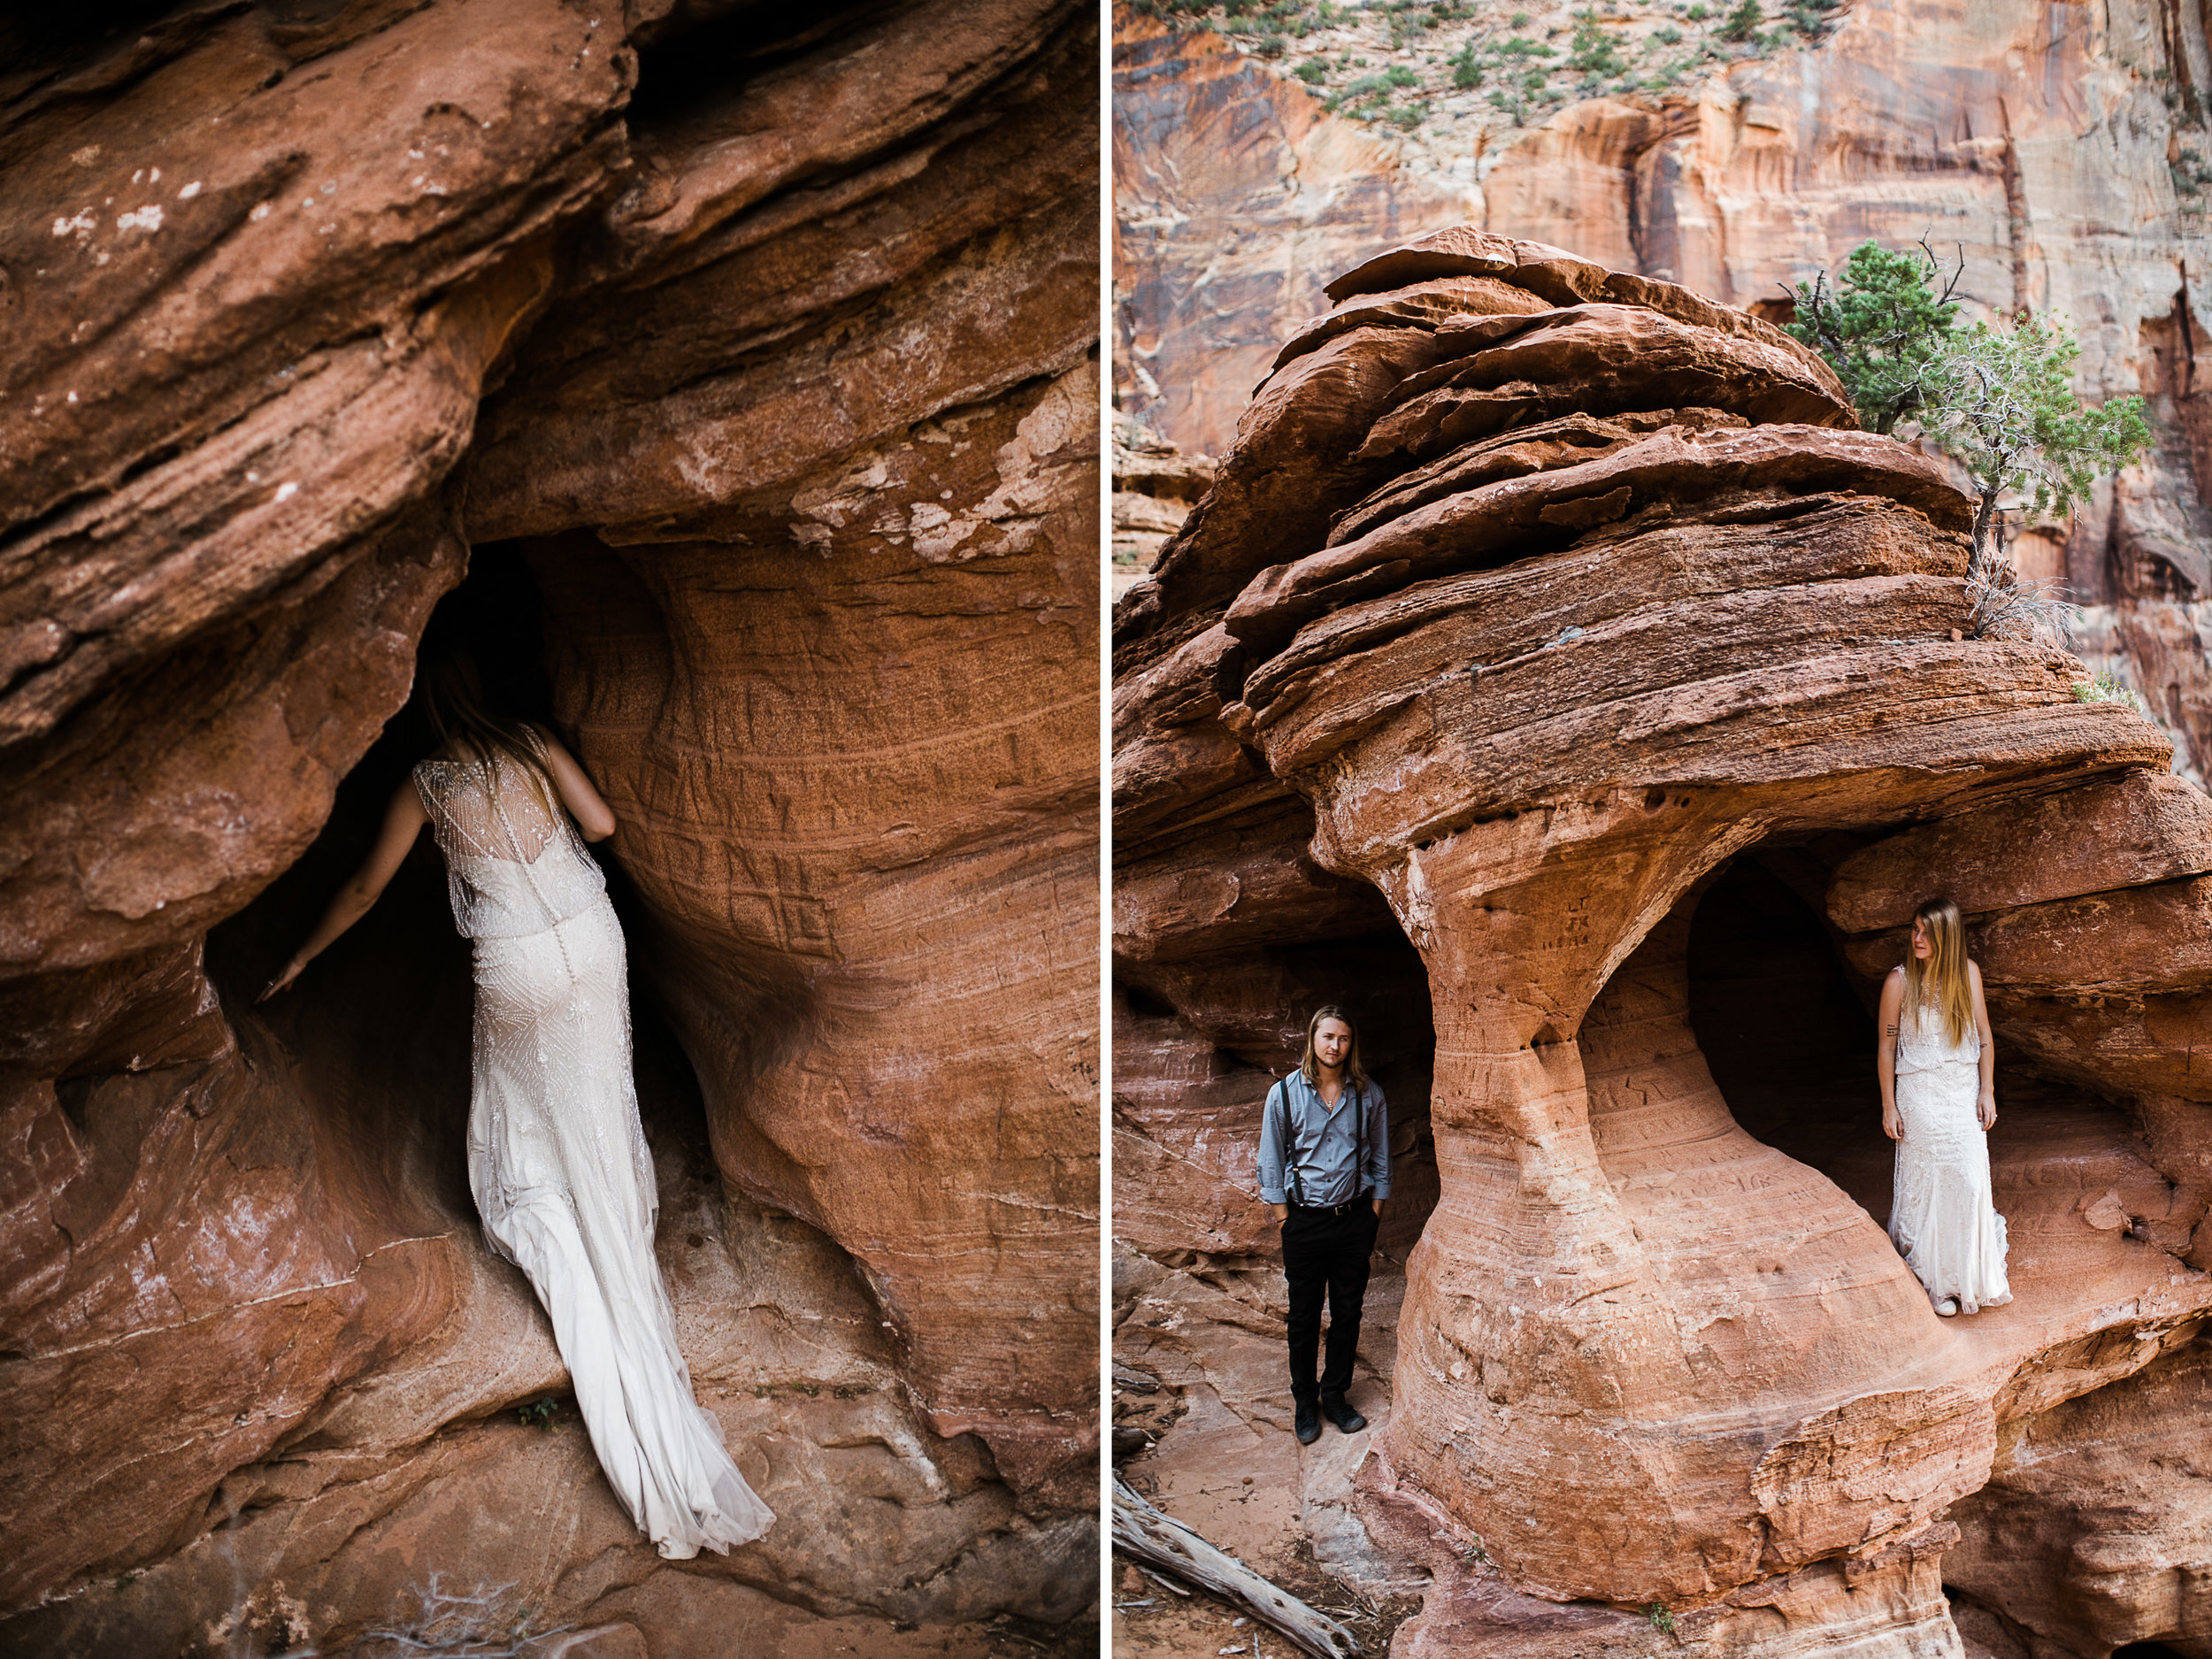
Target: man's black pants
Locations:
point(1325, 1254)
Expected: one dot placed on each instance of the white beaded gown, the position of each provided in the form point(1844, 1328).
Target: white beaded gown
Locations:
point(1942, 1218)
point(556, 1156)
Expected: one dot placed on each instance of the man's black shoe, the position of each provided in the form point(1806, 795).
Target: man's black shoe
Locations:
point(1309, 1424)
point(1347, 1420)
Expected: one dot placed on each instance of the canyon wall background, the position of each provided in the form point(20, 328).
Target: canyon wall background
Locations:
point(730, 379)
point(2062, 148)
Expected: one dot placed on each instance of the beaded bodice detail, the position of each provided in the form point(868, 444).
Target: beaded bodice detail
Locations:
point(1923, 1042)
point(514, 862)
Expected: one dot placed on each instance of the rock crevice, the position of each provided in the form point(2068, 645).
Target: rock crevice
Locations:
point(728, 378)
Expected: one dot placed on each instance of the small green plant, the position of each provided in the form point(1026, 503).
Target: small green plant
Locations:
point(1311, 72)
point(1661, 1619)
point(1520, 20)
point(1743, 22)
point(1519, 49)
point(1522, 94)
point(538, 1413)
point(2104, 685)
point(1698, 13)
point(1667, 36)
point(1593, 53)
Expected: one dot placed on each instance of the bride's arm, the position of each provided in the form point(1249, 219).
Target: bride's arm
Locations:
point(403, 821)
point(1886, 1050)
point(1985, 1108)
point(594, 817)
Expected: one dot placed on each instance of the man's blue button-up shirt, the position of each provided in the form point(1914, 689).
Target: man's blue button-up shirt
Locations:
point(1300, 1136)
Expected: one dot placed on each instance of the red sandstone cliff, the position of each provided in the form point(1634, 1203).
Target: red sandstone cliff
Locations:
point(1554, 666)
point(2064, 150)
point(750, 375)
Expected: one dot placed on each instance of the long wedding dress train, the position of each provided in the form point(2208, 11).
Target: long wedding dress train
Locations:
point(556, 1158)
point(1942, 1217)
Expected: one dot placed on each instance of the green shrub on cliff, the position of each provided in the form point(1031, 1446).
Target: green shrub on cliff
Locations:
point(1592, 53)
point(1743, 22)
point(1999, 400)
point(2002, 402)
point(1882, 328)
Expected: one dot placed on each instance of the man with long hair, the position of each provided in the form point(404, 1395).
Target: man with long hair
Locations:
point(1324, 1165)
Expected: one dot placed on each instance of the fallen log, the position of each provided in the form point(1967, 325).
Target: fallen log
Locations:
point(1160, 1540)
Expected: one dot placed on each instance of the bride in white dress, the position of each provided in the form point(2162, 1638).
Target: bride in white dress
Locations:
point(556, 1156)
point(1938, 1100)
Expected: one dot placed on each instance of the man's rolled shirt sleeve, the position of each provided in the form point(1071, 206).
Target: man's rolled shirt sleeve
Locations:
point(1376, 1170)
point(1272, 1116)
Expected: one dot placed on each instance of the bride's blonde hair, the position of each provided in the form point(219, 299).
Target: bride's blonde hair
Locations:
point(1941, 982)
point(451, 692)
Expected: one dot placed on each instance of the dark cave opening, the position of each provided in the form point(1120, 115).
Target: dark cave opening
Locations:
point(1248, 1003)
point(1786, 1029)
point(689, 68)
point(1784, 1023)
point(379, 1025)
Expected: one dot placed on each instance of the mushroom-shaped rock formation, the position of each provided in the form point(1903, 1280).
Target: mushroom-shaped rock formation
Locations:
point(746, 363)
point(1570, 615)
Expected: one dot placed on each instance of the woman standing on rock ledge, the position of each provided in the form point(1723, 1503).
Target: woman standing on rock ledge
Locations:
point(1937, 1068)
point(556, 1158)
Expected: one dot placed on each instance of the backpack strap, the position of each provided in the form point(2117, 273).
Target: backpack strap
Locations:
point(1359, 1137)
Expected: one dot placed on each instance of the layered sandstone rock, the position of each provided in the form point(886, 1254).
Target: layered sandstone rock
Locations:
point(1235, 199)
point(1602, 648)
point(1155, 485)
point(751, 376)
point(2066, 165)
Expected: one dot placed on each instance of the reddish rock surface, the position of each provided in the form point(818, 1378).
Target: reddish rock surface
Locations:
point(1155, 485)
point(1648, 724)
point(2066, 165)
point(751, 375)
point(1235, 199)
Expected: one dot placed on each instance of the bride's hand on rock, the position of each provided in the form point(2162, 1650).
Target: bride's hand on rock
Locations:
point(285, 976)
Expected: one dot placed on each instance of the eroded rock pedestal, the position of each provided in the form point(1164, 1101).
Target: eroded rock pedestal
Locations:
point(1569, 615)
point(748, 371)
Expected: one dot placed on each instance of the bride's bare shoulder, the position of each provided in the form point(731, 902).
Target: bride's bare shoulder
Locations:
point(552, 744)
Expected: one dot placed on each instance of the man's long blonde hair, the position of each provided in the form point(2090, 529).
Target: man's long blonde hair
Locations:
point(1311, 1067)
point(1941, 982)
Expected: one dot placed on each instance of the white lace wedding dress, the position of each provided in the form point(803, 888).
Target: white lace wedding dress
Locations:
point(556, 1159)
point(1941, 1215)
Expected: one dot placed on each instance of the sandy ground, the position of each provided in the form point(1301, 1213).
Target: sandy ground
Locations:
point(872, 1639)
point(1225, 1462)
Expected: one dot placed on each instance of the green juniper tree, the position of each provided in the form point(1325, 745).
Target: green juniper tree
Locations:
point(1593, 53)
point(1999, 401)
point(2002, 402)
point(1743, 22)
point(1881, 328)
